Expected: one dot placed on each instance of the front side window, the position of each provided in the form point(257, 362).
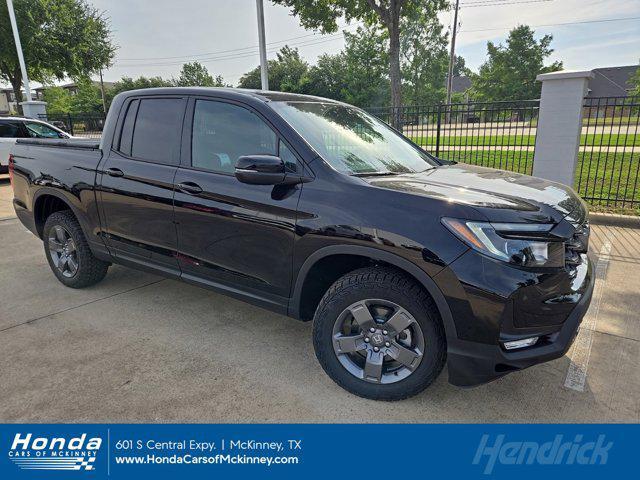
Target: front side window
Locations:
point(351, 140)
point(157, 130)
point(40, 130)
point(223, 132)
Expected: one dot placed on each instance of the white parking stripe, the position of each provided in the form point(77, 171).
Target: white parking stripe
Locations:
point(581, 349)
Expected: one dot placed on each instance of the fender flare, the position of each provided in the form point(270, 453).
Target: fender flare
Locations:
point(375, 254)
point(64, 198)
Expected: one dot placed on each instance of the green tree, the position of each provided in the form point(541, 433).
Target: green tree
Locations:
point(358, 74)
point(460, 68)
point(386, 14)
point(196, 75)
point(510, 71)
point(58, 100)
point(87, 99)
point(127, 83)
point(424, 57)
point(287, 73)
point(60, 38)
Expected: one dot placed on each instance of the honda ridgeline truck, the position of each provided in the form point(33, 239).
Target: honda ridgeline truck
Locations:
point(319, 211)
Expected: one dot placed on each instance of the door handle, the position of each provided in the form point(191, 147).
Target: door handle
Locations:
point(189, 187)
point(114, 172)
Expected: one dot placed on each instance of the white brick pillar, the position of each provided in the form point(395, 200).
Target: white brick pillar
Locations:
point(560, 125)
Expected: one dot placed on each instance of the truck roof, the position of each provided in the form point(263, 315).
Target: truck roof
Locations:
point(263, 95)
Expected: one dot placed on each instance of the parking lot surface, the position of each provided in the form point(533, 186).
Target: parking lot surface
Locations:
point(139, 348)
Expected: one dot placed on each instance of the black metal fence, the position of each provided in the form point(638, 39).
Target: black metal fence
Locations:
point(86, 125)
point(608, 168)
point(492, 134)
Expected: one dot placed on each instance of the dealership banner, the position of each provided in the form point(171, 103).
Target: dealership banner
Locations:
point(123, 451)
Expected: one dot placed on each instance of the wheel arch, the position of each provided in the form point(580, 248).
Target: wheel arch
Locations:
point(368, 254)
point(48, 201)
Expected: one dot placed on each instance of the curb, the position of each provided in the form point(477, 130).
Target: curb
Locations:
point(614, 220)
point(2, 219)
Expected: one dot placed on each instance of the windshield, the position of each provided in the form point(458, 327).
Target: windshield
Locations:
point(351, 140)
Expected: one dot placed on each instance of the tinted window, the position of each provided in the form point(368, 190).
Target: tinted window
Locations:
point(156, 136)
point(9, 130)
point(127, 128)
point(40, 130)
point(289, 159)
point(222, 132)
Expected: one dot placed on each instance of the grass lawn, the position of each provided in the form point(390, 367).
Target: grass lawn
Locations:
point(600, 178)
point(597, 139)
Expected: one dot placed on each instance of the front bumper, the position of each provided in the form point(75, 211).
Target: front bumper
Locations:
point(473, 360)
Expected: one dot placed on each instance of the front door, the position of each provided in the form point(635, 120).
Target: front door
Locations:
point(136, 183)
point(232, 234)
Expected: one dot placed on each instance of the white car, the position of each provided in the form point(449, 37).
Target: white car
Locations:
point(12, 128)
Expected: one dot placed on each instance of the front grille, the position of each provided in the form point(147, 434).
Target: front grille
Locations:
point(577, 244)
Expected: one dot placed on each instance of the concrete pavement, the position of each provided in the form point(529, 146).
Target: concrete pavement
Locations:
point(141, 348)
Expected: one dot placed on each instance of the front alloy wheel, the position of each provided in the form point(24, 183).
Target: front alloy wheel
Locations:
point(378, 334)
point(378, 341)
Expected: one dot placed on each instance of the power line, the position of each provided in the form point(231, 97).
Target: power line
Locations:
point(499, 3)
point(556, 24)
point(229, 56)
point(286, 40)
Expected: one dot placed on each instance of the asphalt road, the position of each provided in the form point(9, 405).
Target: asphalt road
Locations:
point(138, 348)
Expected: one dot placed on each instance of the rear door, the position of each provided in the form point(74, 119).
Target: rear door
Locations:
point(136, 182)
point(229, 233)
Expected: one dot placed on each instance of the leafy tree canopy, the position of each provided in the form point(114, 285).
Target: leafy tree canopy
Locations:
point(287, 73)
point(60, 38)
point(196, 75)
point(385, 14)
point(510, 71)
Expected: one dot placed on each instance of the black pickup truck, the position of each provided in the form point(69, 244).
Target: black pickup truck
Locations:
point(319, 211)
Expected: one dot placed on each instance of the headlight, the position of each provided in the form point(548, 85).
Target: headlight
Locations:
point(522, 244)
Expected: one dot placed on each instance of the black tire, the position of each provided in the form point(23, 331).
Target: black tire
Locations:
point(90, 270)
point(398, 288)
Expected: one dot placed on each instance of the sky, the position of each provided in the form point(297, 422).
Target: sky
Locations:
point(156, 36)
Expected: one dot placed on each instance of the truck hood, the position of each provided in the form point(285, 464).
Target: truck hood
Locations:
point(499, 195)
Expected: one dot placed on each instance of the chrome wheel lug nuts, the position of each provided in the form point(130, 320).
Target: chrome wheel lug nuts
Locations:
point(384, 332)
point(387, 344)
point(372, 329)
point(376, 349)
point(366, 339)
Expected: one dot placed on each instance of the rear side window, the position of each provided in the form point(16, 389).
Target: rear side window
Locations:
point(10, 130)
point(127, 128)
point(158, 125)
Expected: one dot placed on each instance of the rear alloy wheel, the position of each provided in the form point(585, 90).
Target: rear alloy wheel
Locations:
point(378, 334)
point(68, 252)
point(62, 250)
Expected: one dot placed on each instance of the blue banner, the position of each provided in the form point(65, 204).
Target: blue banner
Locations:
point(62, 451)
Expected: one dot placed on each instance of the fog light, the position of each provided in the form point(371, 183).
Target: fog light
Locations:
point(525, 342)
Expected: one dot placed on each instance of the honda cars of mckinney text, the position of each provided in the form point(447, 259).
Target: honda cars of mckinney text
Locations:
point(317, 210)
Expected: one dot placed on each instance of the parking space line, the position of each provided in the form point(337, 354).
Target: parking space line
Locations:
point(581, 350)
point(10, 327)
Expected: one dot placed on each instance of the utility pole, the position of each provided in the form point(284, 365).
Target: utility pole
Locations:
point(16, 38)
point(104, 100)
point(452, 56)
point(264, 68)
